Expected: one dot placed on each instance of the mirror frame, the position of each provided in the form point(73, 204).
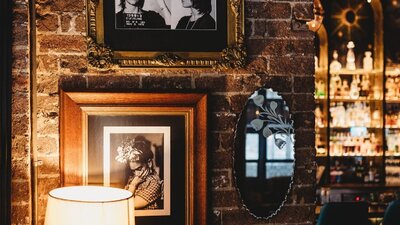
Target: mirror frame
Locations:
point(5, 112)
point(238, 146)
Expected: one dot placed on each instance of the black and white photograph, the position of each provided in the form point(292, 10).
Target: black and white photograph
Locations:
point(137, 158)
point(166, 14)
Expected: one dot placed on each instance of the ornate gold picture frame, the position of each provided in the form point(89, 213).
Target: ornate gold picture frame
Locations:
point(220, 47)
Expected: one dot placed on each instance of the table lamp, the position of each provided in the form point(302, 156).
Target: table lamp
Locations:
point(90, 205)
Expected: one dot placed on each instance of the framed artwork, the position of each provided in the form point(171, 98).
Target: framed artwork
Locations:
point(166, 33)
point(149, 143)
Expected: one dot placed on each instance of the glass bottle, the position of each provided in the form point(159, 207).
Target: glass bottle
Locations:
point(335, 65)
point(354, 90)
point(350, 57)
point(368, 62)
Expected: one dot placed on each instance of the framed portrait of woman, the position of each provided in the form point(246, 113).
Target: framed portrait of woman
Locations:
point(166, 33)
point(153, 145)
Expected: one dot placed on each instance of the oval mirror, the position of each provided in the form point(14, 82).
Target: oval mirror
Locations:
point(264, 156)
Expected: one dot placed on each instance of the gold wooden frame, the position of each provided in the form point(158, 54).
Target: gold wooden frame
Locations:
point(101, 56)
point(76, 106)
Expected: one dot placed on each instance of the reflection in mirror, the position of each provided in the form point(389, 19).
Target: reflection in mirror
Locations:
point(264, 157)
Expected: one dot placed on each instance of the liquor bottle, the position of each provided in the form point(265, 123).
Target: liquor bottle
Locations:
point(350, 57)
point(335, 85)
point(371, 172)
point(345, 89)
point(335, 65)
point(354, 90)
point(368, 61)
point(365, 86)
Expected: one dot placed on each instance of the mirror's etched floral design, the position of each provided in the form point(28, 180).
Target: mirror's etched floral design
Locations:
point(272, 122)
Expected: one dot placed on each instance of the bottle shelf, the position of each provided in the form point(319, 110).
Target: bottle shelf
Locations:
point(392, 154)
point(392, 100)
point(360, 99)
point(394, 127)
point(357, 155)
point(355, 72)
point(349, 127)
point(392, 71)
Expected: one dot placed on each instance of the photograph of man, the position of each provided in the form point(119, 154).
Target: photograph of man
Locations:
point(132, 15)
point(199, 17)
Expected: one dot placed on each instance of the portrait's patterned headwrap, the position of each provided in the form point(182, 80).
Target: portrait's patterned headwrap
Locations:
point(137, 149)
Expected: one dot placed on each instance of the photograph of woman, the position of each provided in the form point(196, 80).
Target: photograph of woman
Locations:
point(132, 14)
point(199, 18)
point(144, 182)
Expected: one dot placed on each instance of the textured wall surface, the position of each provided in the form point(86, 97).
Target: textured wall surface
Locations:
point(280, 56)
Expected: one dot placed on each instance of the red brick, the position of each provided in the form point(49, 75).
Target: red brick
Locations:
point(50, 165)
point(67, 6)
point(74, 64)
point(47, 22)
point(258, 64)
point(219, 103)
point(225, 198)
point(271, 46)
point(20, 124)
point(20, 83)
point(223, 122)
point(20, 103)
point(45, 184)
point(304, 138)
point(47, 105)
point(304, 102)
point(47, 145)
point(303, 120)
point(167, 82)
point(80, 23)
point(20, 191)
point(20, 169)
point(291, 65)
point(47, 84)
point(275, 10)
point(20, 214)
point(47, 63)
point(283, 29)
point(62, 43)
point(20, 58)
point(66, 22)
point(75, 82)
point(222, 160)
point(114, 82)
point(47, 125)
point(304, 84)
point(260, 28)
point(221, 179)
point(20, 146)
point(238, 102)
point(303, 11)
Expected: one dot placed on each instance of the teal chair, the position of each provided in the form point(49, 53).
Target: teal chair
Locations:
point(344, 213)
point(392, 214)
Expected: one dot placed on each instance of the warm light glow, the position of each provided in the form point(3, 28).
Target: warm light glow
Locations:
point(86, 205)
point(369, 1)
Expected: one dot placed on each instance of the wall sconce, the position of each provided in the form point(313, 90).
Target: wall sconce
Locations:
point(316, 23)
point(87, 205)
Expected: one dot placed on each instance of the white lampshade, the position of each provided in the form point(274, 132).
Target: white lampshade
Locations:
point(90, 205)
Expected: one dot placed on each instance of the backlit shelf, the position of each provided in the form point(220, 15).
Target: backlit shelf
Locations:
point(392, 127)
point(349, 127)
point(348, 99)
point(357, 155)
point(355, 72)
point(392, 100)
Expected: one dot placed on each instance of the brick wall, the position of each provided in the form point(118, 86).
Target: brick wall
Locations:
point(281, 56)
